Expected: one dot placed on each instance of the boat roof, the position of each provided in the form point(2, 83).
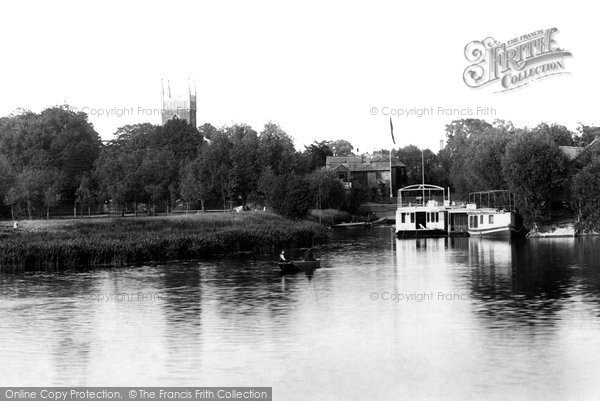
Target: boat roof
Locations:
point(419, 187)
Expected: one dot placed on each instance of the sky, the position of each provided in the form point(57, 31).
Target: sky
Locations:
point(321, 70)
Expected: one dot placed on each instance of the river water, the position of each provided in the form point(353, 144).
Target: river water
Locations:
point(382, 319)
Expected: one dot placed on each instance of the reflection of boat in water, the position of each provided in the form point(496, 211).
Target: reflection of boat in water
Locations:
point(430, 214)
point(299, 266)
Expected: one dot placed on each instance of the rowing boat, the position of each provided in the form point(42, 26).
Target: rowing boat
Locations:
point(299, 266)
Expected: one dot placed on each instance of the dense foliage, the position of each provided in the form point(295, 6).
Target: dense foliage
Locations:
point(586, 197)
point(55, 160)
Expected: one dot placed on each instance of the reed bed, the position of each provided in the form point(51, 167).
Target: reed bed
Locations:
point(121, 241)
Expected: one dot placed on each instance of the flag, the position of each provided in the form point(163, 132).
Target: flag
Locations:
point(392, 130)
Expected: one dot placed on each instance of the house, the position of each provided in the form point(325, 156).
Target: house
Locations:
point(369, 171)
point(579, 156)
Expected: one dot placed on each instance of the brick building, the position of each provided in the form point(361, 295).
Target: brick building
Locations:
point(370, 171)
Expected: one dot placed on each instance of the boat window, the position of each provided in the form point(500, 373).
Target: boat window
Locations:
point(491, 219)
point(428, 217)
point(437, 217)
point(481, 219)
point(412, 217)
point(403, 217)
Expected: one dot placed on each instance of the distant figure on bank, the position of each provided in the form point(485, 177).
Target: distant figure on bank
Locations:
point(282, 257)
point(308, 255)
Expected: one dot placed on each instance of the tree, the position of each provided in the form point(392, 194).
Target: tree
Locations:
point(472, 157)
point(51, 183)
point(358, 196)
point(57, 138)
point(276, 149)
point(119, 172)
point(484, 166)
point(37, 187)
point(267, 184)
point(246, 164)
point(292, 196)
point(7, 180)
point(341, 147)
point(586, 196)
point(316, 154)
point(586, 134)
point(157, 172)
point(533, 167)
point(327, 189)
point(84, 195)
point(559, 134)
point(179, 137)
point(197, 180)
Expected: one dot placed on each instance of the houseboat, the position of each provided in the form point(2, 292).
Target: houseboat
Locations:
point(421, 212)
point(492, 214)
point(424, 211)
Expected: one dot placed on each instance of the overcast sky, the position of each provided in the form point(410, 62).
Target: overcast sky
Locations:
point(314, 68)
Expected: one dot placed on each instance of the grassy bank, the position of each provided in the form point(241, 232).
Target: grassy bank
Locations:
point(62, 244)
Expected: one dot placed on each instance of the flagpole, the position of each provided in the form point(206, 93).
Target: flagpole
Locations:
point(423, 175)
point(391, 187)
point(394, 141)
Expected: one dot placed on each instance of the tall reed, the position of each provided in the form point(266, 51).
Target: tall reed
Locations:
point(121, 241)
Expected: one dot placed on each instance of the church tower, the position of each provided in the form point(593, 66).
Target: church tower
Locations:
point(181, 105)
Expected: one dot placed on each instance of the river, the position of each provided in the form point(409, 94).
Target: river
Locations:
point(382, 319)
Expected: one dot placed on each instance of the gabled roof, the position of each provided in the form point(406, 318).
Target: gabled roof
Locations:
point(571, 152)
point(359, 163)
point(343, 159)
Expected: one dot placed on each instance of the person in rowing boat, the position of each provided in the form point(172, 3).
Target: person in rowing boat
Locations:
point(282, 257)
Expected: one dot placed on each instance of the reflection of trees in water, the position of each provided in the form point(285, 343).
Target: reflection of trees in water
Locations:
point(587, 259)
point(181, 298)
point(54, 310)
point(521, 283)
point(253, 288)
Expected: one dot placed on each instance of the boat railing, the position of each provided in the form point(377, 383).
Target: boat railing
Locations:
point(432, 201)
point(496, 199)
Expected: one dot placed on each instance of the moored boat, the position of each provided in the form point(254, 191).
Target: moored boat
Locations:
point(421, 212)
point(348, 225)
point(491, 214)
point(430, 214)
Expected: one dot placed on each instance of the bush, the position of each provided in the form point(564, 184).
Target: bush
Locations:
point(533, 167)
point(586, 197)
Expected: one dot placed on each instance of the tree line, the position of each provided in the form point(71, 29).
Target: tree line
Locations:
point(529, 162)
point(54, 161)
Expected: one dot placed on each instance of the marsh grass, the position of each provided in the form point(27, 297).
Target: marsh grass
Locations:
point(119, 241)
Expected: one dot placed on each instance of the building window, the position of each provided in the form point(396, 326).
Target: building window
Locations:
point(491, 219)
point(378, 175)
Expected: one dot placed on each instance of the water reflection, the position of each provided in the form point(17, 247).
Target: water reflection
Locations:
point(500, 320)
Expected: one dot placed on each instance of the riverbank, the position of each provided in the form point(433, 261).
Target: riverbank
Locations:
point(64, 244)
